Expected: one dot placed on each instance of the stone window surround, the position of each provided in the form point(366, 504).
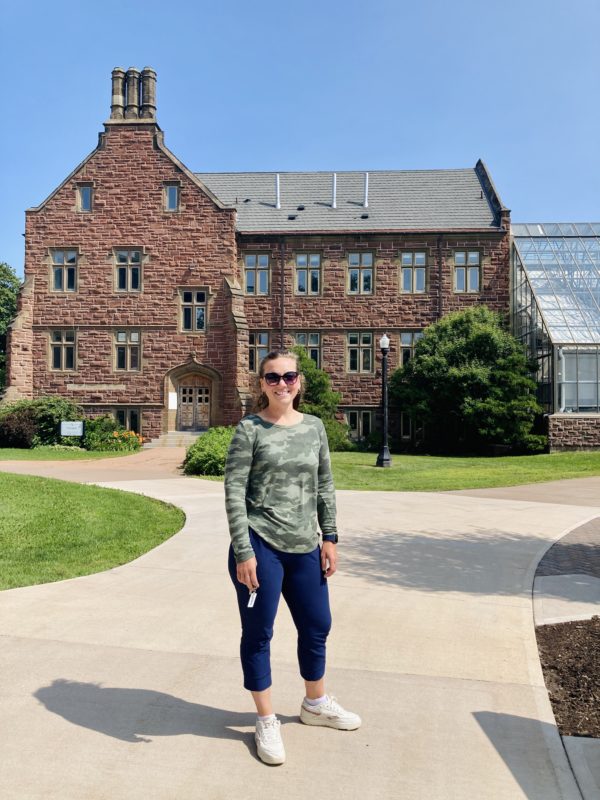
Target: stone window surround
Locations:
point(308, 268)
point(165, 197)
point(180, 305)
point(408, 348)
point(255, 348)
point(360, 415)
point(308, 347)
point(51, 266)
point(466, 266)
point(144, 258)
point(63, 344)
point(128, 344)
point(361, 348)
point(80, 184)
point(413, 267)
point(127, 416)
point(360, 267)
point(257, 254)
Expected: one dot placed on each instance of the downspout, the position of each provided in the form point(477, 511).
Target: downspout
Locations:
point(282, 279)
point(440, 288)
point(561, 372)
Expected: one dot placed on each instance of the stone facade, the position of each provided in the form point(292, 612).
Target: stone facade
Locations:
point(197, 247)
point(573, 432)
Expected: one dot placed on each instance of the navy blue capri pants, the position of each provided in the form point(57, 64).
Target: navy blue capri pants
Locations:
point(299, 578)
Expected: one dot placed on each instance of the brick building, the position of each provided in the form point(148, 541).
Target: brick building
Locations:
point(152, 292)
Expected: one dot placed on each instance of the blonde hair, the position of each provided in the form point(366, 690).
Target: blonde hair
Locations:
point(262, 400)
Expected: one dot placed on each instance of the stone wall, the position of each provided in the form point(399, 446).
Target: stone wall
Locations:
point(573, 432)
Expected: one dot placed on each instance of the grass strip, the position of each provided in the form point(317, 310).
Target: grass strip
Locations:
point(50, 454)
point(51, 530)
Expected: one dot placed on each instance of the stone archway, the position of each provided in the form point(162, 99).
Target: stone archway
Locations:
point(192, 395)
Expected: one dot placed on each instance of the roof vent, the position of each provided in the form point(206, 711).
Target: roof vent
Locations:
point(366, 199)
point(334, 190)
point(300, 208)
point(292, 216)
point(247, 200)
point(364, 216)
point(277, 192)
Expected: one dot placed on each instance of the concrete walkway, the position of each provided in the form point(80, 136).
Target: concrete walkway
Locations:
point(127, 685)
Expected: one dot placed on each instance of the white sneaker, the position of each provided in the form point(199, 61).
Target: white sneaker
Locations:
point(329, 713)
point(269, 745)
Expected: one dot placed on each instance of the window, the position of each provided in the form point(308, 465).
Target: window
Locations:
point(360, 273)
point(312, 343)
point(360, 352)
point(171, 196)
point(84, 197)
point(360, 422)
point(127, 350)
point(256, 279)
point(193, 310)
point(129, 418)
point(466, 271)
point(308, 273)
point(62, 350)
point(258, 349)
point(129, 270)
point(64, 270)
point(413, 279)
point(408, 341)
point(579, 380)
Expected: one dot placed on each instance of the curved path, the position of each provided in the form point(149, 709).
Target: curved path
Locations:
point(126, 684)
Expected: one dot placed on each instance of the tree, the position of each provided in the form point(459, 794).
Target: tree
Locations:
point(9, 289)
point(319, 399)
point(469, 383)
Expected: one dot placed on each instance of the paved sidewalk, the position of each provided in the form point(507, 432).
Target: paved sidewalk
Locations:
point(127, 685)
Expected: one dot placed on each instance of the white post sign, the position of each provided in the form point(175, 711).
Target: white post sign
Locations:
point(74, 428)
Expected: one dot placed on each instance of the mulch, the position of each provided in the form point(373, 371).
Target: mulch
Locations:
point(570, 656)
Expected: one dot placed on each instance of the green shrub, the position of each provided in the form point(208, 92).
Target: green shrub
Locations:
point(17, 428)
point(208, 454)
point(105, 434)
point(47, 413)
point(338, 435)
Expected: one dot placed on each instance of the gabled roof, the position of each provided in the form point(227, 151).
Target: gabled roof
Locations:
point(406, 200)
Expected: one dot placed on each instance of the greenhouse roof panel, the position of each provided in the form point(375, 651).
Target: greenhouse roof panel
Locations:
point(562, 263)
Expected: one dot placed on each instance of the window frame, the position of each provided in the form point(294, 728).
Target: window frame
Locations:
point(467, 268)
point(309, 270)
point(167, 186)
point(128, 346)
point(361, 269)
point(194, 304)
point(410, 348)
point(257, 269)
point(80, 187)
point(255, 348)
point(308, 346)
point(360, 412)
point(64, 270)
point(361, 347)
point(63, 344)
point(127, 410)
point(129, 266)
point(414, 268)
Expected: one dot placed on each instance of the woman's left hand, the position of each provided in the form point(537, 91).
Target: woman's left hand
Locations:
point(328, 558)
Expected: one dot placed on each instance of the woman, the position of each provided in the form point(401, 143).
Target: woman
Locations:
point(277, 483)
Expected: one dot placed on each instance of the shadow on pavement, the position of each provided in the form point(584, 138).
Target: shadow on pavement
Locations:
point(512, 737)
point(131, 715)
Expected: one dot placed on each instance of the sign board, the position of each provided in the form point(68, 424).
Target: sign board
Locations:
point(172, 401)
point(71, 428)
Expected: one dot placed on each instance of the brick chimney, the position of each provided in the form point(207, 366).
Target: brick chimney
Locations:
point(117, 106)
point(132, 105)
point(133, 95)
point(148, 94)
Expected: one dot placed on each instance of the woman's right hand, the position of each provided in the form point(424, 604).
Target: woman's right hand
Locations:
point(246, 573)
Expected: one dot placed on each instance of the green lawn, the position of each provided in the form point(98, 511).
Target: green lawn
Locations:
point(49, 454)
point(432, 473)
point(51, 530)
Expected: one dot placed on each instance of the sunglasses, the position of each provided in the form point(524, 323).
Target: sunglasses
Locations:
point(273, 378)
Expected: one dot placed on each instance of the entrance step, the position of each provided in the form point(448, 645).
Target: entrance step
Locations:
point(175, 439)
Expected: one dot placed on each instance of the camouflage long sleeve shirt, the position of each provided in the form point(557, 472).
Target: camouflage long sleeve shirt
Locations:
point(278, 482)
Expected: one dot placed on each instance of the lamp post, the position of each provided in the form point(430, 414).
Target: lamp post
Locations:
point(384, 459)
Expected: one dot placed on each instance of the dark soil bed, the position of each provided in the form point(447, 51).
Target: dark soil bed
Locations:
point(570, 656)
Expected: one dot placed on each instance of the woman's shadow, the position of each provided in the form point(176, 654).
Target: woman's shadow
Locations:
point(134, 714)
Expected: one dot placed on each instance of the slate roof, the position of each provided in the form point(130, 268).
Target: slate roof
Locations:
point(453, 199)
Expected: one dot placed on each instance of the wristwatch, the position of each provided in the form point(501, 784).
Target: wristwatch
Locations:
point(330, 537)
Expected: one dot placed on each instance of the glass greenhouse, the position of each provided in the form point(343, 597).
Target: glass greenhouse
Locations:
point(556, 311)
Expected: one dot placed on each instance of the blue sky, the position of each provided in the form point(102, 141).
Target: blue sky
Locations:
point(328, 85)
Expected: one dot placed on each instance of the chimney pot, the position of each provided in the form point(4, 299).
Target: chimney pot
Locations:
point(117, 106)
point(132, 107)
point(148, 104)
